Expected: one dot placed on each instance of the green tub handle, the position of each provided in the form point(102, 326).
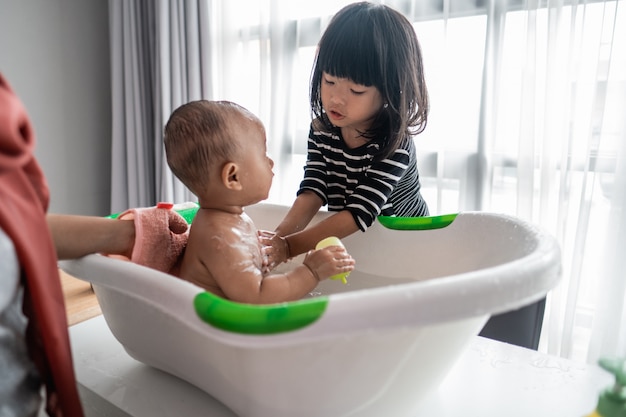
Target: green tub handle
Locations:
point(187, 213)
point(417, 223)
point(258, 319)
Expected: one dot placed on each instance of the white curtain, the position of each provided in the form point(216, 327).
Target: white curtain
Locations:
point(555, 146)
point(528, 99)
point(527, 103)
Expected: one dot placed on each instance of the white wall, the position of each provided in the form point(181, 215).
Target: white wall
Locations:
point(55, 55)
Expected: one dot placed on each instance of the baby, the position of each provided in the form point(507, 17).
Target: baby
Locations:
point(218, 150)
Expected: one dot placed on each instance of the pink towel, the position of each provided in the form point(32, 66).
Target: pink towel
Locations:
point(160, 237)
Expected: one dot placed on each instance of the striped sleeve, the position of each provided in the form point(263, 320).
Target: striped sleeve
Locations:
point(376, 186)
point(353, 180)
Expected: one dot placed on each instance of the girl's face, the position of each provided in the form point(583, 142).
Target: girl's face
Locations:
point(349, 106)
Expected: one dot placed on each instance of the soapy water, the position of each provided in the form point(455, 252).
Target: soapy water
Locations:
point(357, 280)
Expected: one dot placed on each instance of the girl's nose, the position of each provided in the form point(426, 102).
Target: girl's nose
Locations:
point(336, 98)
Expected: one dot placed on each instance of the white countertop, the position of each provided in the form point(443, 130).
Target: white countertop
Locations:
point(490, 379)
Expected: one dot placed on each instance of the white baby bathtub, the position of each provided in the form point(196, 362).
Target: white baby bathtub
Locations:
point(369, 348)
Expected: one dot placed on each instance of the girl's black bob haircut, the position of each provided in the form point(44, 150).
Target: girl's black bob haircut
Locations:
point(374, 45)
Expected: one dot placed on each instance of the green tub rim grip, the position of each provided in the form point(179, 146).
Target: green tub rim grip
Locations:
point(417, 223)
point(188, 213)
point(258, 319)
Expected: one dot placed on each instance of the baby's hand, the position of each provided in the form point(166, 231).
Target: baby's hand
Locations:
point(274, 248)
point(329, 261)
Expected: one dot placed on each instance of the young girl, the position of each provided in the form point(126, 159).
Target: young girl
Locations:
point(369, 97)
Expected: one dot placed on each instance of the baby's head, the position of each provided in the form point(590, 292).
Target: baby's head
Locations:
point(201, 136)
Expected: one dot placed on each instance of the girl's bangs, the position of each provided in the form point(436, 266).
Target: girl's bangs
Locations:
point(351, 55)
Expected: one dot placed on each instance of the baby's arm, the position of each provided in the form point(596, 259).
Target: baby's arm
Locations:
point(278, 249)
point(318, 265)
point(292, 237)
point(239, 275)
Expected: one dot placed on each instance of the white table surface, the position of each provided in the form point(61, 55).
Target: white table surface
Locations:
point(490, 379)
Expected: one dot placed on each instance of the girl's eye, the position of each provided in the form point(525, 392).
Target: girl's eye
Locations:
point(329, 82)
point(357, 92)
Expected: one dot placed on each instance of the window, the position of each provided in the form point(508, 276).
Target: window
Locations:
point(526, 118)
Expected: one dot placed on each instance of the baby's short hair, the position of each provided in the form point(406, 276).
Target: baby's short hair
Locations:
point(199, 135)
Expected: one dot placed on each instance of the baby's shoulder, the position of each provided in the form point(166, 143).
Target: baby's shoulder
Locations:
point(218, 240)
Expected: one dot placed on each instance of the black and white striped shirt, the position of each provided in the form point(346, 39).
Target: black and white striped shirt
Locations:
point(350, 179)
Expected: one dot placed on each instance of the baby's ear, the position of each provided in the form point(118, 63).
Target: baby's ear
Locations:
point(230, 176)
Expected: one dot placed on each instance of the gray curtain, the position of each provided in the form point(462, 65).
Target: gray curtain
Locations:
point(168, 52)
point(183, 74)
point(133, 145)
point(160, 54)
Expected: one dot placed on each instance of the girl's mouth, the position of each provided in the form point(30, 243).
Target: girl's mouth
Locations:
point(335, 115)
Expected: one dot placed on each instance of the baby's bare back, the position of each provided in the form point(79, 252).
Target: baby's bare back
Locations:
point(223, 253)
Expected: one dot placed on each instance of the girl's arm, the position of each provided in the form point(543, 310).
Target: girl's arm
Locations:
point(275, 249)
point(340, 224)
point(75, 236)
point(307, 204)
point(292, 237)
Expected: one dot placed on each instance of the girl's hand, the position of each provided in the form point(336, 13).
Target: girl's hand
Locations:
point(329, 261)
point(274, 248)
